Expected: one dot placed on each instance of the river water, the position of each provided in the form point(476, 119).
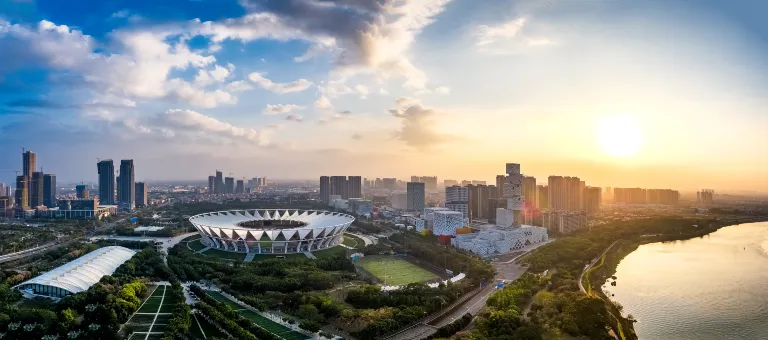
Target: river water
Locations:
point(713, 287)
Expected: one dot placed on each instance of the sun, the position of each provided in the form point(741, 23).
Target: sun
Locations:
point(620, 135)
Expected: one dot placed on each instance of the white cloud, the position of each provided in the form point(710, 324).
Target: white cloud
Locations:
point(276, 109)
point(417, 124)
point(489, 34)
point(191, 122)
point(281, 88)
point(443, 90)
point(362, 91)
point(208, 77)
point(294, 117)
point(180, 89)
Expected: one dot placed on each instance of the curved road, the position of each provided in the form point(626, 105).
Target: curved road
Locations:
point(589, 265)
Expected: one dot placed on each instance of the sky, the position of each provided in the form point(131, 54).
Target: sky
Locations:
point(656, 94)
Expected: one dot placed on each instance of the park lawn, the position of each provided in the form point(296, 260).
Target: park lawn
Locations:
point(259, 320)
point(201, 326)
point(196, 245)
point(150, 306)
point(225, 255)
point(394, 271)
point(264, 257)
point(330, 252)
point(352, 241)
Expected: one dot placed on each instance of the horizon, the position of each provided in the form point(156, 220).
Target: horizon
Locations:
point(617, 93)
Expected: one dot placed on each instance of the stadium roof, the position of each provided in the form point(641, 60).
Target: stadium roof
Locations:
point(83, 272)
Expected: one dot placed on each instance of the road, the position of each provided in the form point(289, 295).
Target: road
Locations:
point(506, 270)
point(581, 286)
point(167, 242)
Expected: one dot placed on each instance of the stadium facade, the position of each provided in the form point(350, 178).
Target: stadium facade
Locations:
point(271, 231)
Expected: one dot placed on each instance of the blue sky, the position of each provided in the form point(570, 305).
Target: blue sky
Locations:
point(301, 88)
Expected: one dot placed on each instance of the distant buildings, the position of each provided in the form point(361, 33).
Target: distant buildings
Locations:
point(212, 184)
point(530, 192)
point(457, 199)
point(219, 185)
point(645, 196)
point(22, 192)
point(240, 186)
point(389, 183)
point(49, 190)
point(106, 170)
point(127, 186)
point(82, 192)
point(430, 182)
point(229, 185)
point(141, 194)
point(705, 197)
point(399, 200)
point(592, 199)
point(325, 189)
point(36, 188)
point(478, 200)
point(565, 193)
point(500, 240)
point(354, 187)
point(416, 196)
point(542, 195)
point(564, 222)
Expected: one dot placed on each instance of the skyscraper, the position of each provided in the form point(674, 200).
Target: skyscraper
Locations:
point(36, 187)
point(339, 186)
point(8, 191)
point(325, 189)
point(219, 182)
point(415, 192)
point(2, 189)
point(29, 163)
point(513, 189)
point(240, 187)
point(82, 192)
point(127, 199)
point(592, 199)
point(529, 191)
point(22, 191)
point(478, 201)
point(49, 190)
point(354, 187)
point(106, 170)
point(457, 199)
point(211, 184)
point(542, 196)
point(389, 183)
point(500, 185)
point(565, 193)
point(229, 185)
point(141, 194)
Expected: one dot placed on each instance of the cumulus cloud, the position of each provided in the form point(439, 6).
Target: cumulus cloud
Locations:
point(238, 86)
point(417, 124)
point(281, 88)
point(443, 90)
point(294, 117)
point(276, 109)
point(217, 75)
point(182, 90)
point(489, 34)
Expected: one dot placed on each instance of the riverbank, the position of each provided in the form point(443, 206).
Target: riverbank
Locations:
point(599, 274)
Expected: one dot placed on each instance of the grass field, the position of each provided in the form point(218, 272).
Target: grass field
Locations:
point(151, 320)
point(226, 255)
point(196, 245)
point(264, 257)
point(202, 329)
point(269, 325)
point(353, 241)
point(398, 271)
point(330, 252)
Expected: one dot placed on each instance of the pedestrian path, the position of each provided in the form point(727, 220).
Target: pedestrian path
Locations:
point(309, 254)
point(250, 257)
point(203, 250)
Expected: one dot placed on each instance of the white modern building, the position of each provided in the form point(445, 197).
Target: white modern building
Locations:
point(429, 215)
point(457, 199)
point(271, 230)
point(500, 240)
point(446, 222)
point(77, 275)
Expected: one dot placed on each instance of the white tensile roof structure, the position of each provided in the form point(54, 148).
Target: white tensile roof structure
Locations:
point(83, 272)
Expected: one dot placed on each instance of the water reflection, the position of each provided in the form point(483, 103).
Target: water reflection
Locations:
point(715, 287)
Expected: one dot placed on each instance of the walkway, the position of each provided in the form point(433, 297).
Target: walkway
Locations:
point(589, 265)
point(367, 239)
point(309, 255)
point(248, 258)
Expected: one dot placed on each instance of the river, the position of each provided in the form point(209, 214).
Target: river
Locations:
point(712, 287)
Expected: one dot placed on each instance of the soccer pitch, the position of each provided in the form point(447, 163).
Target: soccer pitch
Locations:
point(398, 271)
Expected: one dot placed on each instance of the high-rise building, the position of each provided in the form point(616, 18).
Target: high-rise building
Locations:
point(219, 187)
point(211, 184)
point(457, 199)
point(542, 195)
point(478, 201)
point(22, 191)
point(565, 193)
point(513, 190)
point(474, 182)
point(378, 183)
point(8, 191)
point(450, 182)
point(29, 160)
point(465, 183)
point(36, 188)
point(500, 179)
point(49, 190)
point(630, 195)
point(389, 183)
point(127, 193)
point(399, 200)
point(82, 192)
point(564, 222)
point(704, 197)
point(325, 189)
point(106, 170)
point(354, 187)
point(416, 196)
point(239, 187)
point(529, 192)
point(229, 185)
point(339, 186)
point(662, 196)
point(141, 194)
point(592, 199)
point(2, 189)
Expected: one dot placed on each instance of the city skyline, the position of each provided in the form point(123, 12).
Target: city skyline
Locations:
point(616, 93)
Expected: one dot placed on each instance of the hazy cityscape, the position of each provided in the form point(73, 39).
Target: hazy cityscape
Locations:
point(383, 170)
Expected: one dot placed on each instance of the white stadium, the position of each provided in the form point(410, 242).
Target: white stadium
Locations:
point(271, 231)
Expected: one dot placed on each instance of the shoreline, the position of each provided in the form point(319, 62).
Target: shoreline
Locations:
point(626, 326)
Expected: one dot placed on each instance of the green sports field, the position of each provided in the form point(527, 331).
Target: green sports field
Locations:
point(398, 271)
